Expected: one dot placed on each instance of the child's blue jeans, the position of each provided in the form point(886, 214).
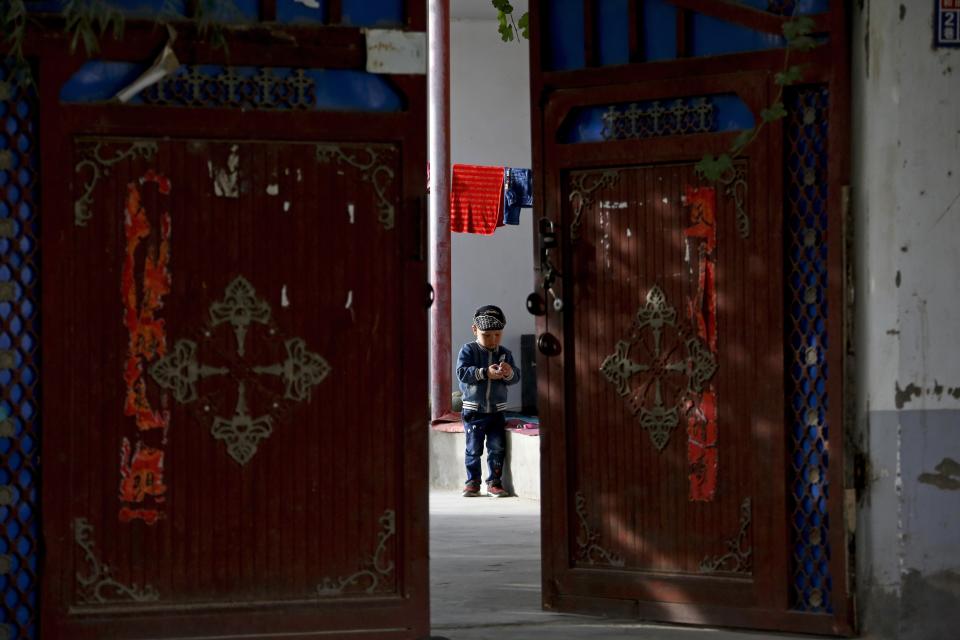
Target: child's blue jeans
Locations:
point(492, 426)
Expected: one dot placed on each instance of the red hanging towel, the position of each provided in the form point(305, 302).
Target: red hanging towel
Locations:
point(476, 199)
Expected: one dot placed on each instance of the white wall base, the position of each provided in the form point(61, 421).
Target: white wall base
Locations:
point(521, 473)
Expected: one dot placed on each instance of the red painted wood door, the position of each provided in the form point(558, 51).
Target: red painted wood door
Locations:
point(235, 373)
point(683, 364)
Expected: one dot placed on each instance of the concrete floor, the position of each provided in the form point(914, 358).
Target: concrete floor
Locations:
point(485, 580)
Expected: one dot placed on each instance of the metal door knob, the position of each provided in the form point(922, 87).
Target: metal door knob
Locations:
point(548, 344)
point(536, 304)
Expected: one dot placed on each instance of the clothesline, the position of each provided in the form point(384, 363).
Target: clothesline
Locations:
point(484, 198)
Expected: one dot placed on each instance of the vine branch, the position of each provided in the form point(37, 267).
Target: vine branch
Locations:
point(797, 33)
point(88, 21)
point(508, 28)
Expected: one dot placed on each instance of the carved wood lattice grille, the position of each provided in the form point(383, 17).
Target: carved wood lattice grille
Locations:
point(806, 133)
point(19, 355)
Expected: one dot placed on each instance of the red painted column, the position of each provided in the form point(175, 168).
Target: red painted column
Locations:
point(438, 81)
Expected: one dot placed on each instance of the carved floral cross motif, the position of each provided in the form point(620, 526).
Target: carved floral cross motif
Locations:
point(688, 357)
point(181, 372)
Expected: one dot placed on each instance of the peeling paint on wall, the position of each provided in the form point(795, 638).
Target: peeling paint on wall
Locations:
point(936, 390)
point(606, 243)
point(350, 211)
point(610, 204)
point(903, 396)
point(226, 179)
point(947, 476)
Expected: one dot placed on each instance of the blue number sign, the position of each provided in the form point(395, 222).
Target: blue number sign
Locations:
point(946, 23)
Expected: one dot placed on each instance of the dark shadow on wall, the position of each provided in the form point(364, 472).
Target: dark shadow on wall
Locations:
point(929, 605)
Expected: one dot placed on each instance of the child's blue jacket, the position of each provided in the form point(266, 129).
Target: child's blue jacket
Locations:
point(479, 392)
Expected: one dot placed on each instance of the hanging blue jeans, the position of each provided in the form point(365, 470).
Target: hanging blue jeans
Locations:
point(492, 426)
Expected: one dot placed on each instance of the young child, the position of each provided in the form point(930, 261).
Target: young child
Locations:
point(484, 369)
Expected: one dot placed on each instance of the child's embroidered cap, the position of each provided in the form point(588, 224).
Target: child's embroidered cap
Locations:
point(489, 318)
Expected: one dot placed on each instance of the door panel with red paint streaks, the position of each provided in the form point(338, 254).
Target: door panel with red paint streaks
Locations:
point(236, 310)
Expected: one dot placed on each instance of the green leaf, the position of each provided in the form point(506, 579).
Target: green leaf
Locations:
point(524, 24)
point(802, 43)
point(90, 43)
point(13, 13)
point(506, 32)
point(798, 27)
point(218, 40)
point(790, 76)
point(503, 6)
point(13, 17)
point(101, 23)
point(118, 26)
point(712, 169)
point(73, 41)
point(775, 112)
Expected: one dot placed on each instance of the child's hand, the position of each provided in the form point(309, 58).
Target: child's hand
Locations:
point(494, 372)
point(505, 370)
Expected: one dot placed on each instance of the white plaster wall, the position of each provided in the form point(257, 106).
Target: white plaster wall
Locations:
point(906, 190)
point(490, 125)
point(906, 203)
point(521, 469)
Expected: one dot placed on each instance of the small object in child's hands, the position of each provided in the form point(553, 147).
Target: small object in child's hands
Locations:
point(496, 367)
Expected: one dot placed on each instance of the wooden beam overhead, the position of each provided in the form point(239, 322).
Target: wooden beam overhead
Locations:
point(744, 16)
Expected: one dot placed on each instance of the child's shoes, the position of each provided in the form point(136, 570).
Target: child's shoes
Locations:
point(496, 491)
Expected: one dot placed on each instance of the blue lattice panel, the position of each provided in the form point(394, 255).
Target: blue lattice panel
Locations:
point(19, 357)
point(683, 115)
point(257, 88)
point(807, 343)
